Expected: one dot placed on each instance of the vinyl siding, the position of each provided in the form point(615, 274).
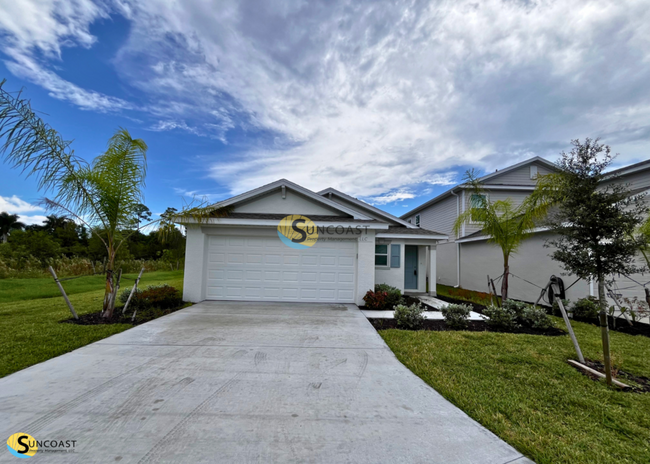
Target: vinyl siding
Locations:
point(532, 262)
point(446, 264)
point(439, 217)
point(517, 198)
point(635, 180)
point(519, 176)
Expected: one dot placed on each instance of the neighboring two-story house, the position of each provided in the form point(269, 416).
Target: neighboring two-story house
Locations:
point(466, 259)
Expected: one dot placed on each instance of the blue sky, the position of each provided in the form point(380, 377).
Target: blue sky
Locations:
point(389, 102)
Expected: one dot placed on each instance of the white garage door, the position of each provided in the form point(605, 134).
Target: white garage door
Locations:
point(261, 268)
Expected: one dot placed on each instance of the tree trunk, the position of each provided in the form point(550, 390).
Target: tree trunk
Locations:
point(604, 329)
point(5, 238)
point(109, 303)
point(504, 282)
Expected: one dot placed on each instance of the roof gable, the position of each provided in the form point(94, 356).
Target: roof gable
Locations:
point(370, 210)
point(285, 197)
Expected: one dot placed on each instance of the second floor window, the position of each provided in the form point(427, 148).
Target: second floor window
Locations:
point(417, 219)
point(479, 201)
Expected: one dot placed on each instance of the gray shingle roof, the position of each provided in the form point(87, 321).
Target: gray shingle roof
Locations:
point(406, 231)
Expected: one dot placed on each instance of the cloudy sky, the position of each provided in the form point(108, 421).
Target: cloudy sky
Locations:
point(387, 101)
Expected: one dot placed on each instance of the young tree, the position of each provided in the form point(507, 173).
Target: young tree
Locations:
point(105, 195)
point(506, 225)
point(596, 222)
point(8, 222)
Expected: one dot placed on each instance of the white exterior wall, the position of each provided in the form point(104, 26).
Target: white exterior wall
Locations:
point(446, 259)
point(432, 265)
point(532, 262)
point(365, 266)
point(195, 265)
point(394, 276)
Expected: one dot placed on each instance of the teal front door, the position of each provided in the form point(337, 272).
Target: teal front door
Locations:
point(411, 267)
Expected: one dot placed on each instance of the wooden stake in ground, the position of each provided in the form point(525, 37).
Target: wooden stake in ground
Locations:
point(135, 285)
point(490, 290)
point(496, 297)
point(556, 293)
point(604, 331)
point(65, 297)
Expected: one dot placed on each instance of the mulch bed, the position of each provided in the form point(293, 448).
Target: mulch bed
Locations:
point(97, 319)
point(637, 328)
point(472, 326)
point(642, 383)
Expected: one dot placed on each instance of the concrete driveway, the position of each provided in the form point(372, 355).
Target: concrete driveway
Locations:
point(242, 382)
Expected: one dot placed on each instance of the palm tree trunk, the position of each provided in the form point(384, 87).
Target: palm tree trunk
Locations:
point(109, 304)
point(504, 282)
point(604, 329)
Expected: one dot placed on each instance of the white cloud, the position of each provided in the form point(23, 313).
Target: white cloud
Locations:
point(364, 97)
point(29, 220)
point(391, 197)
point(14, 205)
point(41, 27)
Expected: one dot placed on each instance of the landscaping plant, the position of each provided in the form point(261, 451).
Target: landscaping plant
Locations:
point(409, 317)
point(585, 308)
point(515, 314)
point(384, 297)
point(105, 195)
point(456, 316)
point(505, 224)
point(597, 222)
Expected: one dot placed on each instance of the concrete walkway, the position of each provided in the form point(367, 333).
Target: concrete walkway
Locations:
point(242, 382)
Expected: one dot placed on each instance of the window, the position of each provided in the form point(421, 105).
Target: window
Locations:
point(533, 172)
point(477, 200)
point(417, 219)
point(381, 255)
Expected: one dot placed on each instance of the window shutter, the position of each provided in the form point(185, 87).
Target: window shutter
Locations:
point(394, 255)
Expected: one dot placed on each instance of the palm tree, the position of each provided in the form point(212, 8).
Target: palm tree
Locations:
point(105, 195)
point(8, 222)
point(506, 225)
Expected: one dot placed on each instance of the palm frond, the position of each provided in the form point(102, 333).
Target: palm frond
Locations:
point(38, 150)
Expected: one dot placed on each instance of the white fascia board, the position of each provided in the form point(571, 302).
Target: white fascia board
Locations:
point(505, 187)
point(363, 204)
point(486, 237)
point(414, 237)
point(279, 183)
point(275, 222)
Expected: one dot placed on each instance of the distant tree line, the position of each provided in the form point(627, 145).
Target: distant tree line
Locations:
point(61, 236)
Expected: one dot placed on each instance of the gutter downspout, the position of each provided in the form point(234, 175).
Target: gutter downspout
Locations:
point(457, 244)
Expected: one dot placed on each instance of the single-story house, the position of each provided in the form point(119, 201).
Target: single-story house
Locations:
point(283, 242)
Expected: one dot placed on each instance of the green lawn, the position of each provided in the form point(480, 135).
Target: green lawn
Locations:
point(31, 311)
point(521, 388)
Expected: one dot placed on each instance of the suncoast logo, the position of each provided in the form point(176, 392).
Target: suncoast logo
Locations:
point(297, 231)
point(22, 445)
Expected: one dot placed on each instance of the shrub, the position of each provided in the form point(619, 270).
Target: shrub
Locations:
point(375, 300)
point(409, 317)
point(536, 318)
point(515, 314)
point(153, 296)
point(556, 307)
point(585, 308)
point(456, 315)
point(504, 318)
point(384, 297)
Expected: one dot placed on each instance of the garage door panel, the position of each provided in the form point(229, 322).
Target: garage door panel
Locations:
point(260, 268)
